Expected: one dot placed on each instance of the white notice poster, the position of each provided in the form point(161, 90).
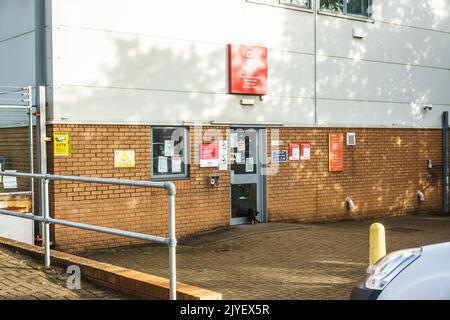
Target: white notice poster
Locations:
point(296, 153)
point(176, 164)
point(249, 165)
point(10, 182)
point(295, 150)
point(162, 165)
point(223, 155)
point(238, 158)
point(169, 148)
point(233, 140)
point(241, 146)
point(306, 152)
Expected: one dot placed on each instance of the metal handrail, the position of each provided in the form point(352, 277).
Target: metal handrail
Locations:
point(170, 241)
point(12, 87)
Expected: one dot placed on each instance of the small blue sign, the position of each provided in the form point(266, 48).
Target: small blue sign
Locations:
point(280, 156)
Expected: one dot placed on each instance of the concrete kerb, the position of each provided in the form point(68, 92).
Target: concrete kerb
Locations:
point(124, 280)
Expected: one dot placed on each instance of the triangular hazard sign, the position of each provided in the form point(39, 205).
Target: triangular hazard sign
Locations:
point(125, 161)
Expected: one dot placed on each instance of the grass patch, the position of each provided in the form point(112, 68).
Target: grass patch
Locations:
point(55, 280)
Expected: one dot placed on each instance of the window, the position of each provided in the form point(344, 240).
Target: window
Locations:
point(359, 7)
point(350, 7)
point(332, 5)
point(289, 4)
point(297, 3)
point(170, 153)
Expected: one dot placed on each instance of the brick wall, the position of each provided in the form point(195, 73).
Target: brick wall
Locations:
point(382, 175)
point(198, 206)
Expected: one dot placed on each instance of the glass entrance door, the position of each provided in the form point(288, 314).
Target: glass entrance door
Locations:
point(246, 200)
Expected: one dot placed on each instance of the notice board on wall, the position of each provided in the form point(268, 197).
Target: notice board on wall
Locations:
point(336, 152)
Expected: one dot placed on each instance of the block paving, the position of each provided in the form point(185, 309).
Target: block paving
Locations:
point(22, 278)
point(280, 260)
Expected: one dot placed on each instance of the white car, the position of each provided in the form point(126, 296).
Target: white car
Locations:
point(412, 274)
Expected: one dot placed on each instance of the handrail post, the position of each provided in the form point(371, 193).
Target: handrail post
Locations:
point(445, 170)
point(45, 220)
point(44, 197)
point(30, 144)
point(46, 225)
point(172, 243)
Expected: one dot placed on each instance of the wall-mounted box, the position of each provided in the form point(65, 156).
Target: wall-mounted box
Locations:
point(213, 181)
point(358, 33)
point(351, 139)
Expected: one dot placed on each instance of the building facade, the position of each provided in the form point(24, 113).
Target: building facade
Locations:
point(338, 122)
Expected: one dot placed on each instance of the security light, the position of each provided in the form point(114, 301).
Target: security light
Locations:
point(248, 102)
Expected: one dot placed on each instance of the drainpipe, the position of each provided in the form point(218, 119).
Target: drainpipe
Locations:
point(39, 43)
point(445, 181)
point(40, 60)
point(316, 8)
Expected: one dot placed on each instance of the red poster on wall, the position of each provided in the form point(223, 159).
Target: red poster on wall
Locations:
point(247, 69)
point(305, 151)
point(209, 156)
point(294, 151)
point(336, 152)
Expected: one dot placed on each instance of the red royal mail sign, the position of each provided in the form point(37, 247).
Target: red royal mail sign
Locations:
point(247, 69)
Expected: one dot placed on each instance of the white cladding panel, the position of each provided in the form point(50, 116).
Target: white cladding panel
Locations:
point(395, 115)
point(383, 42)
point(165, 62)
point(17, 43)
point(17, 63)
point(363, 80)
point(16, 18)
point(427, 14)
point(215, 21)
point(17, 229)
point(94, 105)
point(150, 63)
point(17, 55)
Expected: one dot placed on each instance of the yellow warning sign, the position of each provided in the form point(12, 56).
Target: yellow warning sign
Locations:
point(124, 159)
point(61, 144)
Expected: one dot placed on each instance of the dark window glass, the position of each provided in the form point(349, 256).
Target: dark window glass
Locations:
point(352, 7)
point(169, 152)
point(297, 3)
point(358, 7)
point(243, 198)
point(332, 5)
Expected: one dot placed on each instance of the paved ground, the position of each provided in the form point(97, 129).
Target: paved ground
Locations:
point(278, 260)
point(24, 279)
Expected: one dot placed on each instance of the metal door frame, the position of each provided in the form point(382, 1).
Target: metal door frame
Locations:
point(260, 179)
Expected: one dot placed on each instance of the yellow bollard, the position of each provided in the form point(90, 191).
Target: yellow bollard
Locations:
point(377, 243)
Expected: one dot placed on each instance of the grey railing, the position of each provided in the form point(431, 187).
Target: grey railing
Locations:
point(45, 219)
